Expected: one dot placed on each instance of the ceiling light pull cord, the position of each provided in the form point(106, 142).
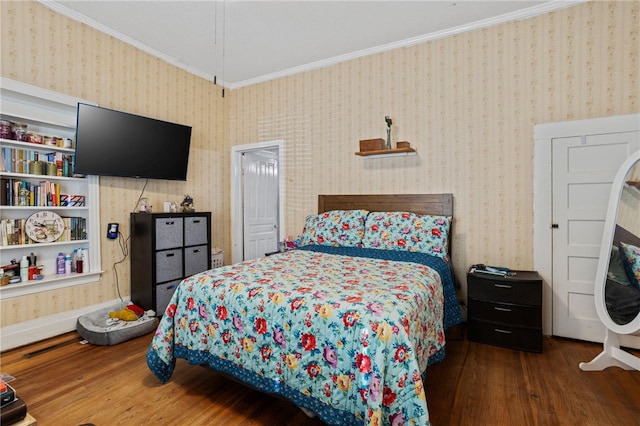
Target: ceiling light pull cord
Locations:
point(215, 43)
point(224, 33)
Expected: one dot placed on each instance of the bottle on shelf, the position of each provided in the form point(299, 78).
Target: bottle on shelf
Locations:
point(85, 259)
point(79, 268)
point(67, 264)
point(24, 268)
point(60, 263)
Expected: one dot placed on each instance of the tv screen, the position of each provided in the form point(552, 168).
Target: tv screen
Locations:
point(115, 143)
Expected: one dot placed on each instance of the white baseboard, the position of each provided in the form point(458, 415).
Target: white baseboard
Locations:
point(27, 332)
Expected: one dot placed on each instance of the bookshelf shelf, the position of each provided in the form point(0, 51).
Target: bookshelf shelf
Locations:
point(52, 114)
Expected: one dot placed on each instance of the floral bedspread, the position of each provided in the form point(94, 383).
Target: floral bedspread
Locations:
point(346, 337)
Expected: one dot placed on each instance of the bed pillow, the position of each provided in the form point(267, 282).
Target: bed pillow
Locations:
point(616, 272)
point(407, 231)
point(338, 228)
point(631, 259)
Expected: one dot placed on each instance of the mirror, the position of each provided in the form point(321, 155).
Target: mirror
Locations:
point(617, 286)
point(622, 289)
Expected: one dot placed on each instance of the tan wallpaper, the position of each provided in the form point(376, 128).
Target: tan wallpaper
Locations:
point(468, 103)
point(45, 49)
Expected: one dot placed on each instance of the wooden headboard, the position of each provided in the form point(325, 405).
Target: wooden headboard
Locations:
point(435, 204)
point(625, 236)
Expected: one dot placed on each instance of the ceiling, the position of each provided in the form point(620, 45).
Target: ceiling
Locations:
point(240, 42)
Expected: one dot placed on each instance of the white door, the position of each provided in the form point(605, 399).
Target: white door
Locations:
point(260, 202)
point(583, 168)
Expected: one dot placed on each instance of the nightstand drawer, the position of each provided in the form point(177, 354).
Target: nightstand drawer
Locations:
point(523, 339)
point(515, 315)
point(505, 290)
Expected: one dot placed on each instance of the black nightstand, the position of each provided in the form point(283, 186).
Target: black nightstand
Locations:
point(505, 311)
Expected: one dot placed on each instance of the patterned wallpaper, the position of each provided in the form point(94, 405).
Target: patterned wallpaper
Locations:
point(467, 103)
point(45, 49)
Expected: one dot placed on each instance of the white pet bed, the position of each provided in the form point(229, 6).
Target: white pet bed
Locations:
point(99, 329)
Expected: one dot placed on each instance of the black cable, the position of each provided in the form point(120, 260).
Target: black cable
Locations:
point(125, 252)
point(122, 242)
point(141, 194)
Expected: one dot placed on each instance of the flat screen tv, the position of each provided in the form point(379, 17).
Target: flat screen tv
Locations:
point(115, 143)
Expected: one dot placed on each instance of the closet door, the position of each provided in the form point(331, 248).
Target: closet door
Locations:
point(583, 169)
point(569, 208)
point(260, 203)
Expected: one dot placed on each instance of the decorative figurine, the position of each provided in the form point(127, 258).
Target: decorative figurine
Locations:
point(389, 122)
point(144, 206)
point(187, 204)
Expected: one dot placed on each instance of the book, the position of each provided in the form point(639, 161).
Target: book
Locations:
point(7, 394)
point(13, 412)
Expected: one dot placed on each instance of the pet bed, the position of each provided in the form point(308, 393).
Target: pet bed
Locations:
point(99, 329)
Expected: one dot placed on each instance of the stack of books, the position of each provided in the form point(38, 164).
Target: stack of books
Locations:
point(12, 408)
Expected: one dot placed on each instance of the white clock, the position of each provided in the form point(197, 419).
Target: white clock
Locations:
point(44, 227)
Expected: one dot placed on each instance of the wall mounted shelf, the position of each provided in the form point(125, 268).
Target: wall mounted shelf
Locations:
point(381, 153)
point(633, 185)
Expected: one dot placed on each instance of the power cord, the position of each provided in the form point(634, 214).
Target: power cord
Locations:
point(141, 194)
point(123, 243)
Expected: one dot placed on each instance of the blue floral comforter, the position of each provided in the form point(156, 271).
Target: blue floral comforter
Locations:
point(344, 332)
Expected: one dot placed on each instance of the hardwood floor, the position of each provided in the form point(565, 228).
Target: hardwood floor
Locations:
point(68, 383)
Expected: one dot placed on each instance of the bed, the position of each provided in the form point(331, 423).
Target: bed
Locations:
point(344, 326)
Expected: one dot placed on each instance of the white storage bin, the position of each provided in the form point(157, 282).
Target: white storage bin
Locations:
point(217, 259)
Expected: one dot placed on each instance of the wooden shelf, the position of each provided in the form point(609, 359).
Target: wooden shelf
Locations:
point(395, 152)
point(633, 185)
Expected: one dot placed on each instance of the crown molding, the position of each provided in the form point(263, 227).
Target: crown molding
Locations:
point(530, 12)
point(484, 23)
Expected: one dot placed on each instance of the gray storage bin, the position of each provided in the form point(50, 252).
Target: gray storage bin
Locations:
point(168, 265)
point(195, 260)
point(169, 232)
point(164, 292)
point(195, 230)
